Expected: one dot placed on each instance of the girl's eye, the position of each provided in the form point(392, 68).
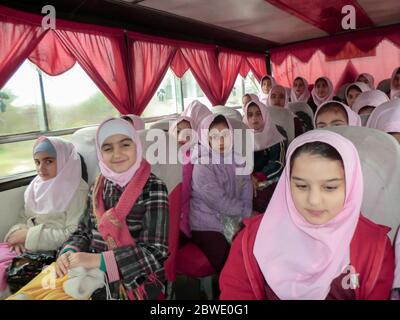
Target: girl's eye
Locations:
point(126, 144)
point(301, 186)
point(107, 149)
point(49, 161)
point(330, 188)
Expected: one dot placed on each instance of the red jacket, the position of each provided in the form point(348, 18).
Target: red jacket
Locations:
point(371, 254)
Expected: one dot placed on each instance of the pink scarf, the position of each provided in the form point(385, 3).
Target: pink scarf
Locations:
point(263, 97)
point(269, 135)
point(371, 98)
point(317, 100)
point(360, 85)
point(353, 118)
point(386, 117)
point(138, 123)
point(304, 96)
point(54, 195)
point(394, 93)
point(273, 89)
point(300, 260)
point(367, 76)
point(111, 127)
point(197, 112)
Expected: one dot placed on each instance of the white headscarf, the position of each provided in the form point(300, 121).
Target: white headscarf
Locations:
point(263, 97)
point(367, 76)
point(304, 96)
point(394, 93)
point(317, 100)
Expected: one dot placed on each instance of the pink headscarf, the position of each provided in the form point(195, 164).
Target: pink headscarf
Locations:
point(269, 135)
point(367, 76)
point(317, 100)
point(360, 85)
point(394, 93)
point(263, 97)
point(304, 96)
point(273, 89)
point(371, 98)
point(54, 195)
point(353, 118)
point(107, 129)
point(386, 117)
point(197, 111)
point(138, 123)
point(300, 260)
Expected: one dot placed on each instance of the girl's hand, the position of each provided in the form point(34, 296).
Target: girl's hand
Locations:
point(18, 248)
point(62, 264)
point(84, 259)
point(17, 237)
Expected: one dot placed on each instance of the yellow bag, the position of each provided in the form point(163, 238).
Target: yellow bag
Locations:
point(45, 286)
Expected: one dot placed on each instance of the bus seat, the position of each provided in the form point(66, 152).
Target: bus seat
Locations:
point(227, 112)
point(161, 124)
point(304, 112)
point(384, 86)
point(192, 262)
point(380, 158)
point(341, 93)
point(170, 174)
point(283, 118)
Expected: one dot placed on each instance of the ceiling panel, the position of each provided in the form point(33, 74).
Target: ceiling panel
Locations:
point(383, 12)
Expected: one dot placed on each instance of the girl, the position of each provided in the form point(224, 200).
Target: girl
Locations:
point(266, 83)
point(197, 112)
point(395, 84)
point(278, 97)
point(247, 98)
point(124, 230)
point(218, 193)
point(386, 118)
point(299, 92)
point(335, 113)
point(181, 129)
point(54, 203)
point(322, 92)
point(269, 153)
point(353, 91)
point(136, 121)
point(367, 79)
point(366, 102)
point(312, 242)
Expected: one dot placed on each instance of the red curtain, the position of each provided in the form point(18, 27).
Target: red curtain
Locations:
point(258, 66)
point(18, 38)
point(150, 62)
point(229, 64)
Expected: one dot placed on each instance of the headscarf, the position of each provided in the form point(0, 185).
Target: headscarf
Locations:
point(252, 97)
point(197, 111)
point(353, 118)
point(367, 76)
point(273, 89)
point(317, 100)
point(300, 260)
point(138, 122)
point(386, 117)
point(54, 195)
point(304, 96)
point(263, 97)
point(394, 93)
point(360, 85)
point(269, 134)
point(372, 98)
point(107, 129)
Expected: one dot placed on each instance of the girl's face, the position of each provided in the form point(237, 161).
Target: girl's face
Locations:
point(318, 187)
point(352, 95)
point(254, 117)
point(362, 79)
point(219, 137)
point(183, 138)
point(46, 165)
point(298, 87)
point(266, 85)
point(366, 111)
point(396, 135)
point(396, 81)
point(321, 88)
point(119, 153)
point(246, 99)
point(278, 97)
point(331, 118)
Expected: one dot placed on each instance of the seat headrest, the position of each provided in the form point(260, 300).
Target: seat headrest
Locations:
point(301, 107)
point(227, 112)
point(161, 124)
point(384, 85)
point(380, 158)
point(283, 118)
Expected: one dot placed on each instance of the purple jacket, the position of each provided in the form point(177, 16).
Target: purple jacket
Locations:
point(218, 191)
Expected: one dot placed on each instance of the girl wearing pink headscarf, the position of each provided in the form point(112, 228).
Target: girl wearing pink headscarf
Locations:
point(54, 202)
point(367, 78)
point(366, 102)
point(124, 229)
point(386, 118)
point(278, 97)
point(299, 92)
point(354, 90)
point(322, 92)
point(266, 83)
point(136, 121)
point(312, 243)
point(335, 113)
point(197, 112)
point(395, 84)
point(269, 153)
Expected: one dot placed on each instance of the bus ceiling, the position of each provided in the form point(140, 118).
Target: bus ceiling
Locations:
point(251, 25)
